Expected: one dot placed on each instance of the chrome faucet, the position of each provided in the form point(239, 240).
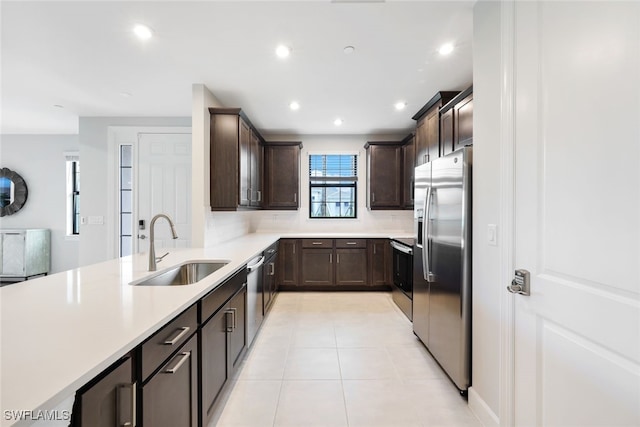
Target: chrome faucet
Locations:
point(152, 252)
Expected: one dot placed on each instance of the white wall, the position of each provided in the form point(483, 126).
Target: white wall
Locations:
point(200, 124)
point(484, 395)
point(367, 221)
point(40, 160)
point(94, 155)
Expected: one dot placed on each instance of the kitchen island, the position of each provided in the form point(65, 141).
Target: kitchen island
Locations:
point(60, 331)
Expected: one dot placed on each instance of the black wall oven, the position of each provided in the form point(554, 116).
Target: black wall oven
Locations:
point(402, 291)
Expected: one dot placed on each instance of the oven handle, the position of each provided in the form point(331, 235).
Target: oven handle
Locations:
point(402, 248)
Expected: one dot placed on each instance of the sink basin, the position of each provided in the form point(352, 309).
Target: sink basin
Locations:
point(184, 274)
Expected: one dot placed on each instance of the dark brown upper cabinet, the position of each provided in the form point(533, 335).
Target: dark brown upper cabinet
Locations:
point(456, 122)
point(408, 162)
point(235, 160)
point(282, 175)
point(384, 174)
point(427, 139)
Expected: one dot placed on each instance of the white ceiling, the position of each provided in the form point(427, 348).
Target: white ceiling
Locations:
point(83, 56)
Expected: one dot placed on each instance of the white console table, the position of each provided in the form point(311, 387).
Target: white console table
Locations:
point(24, 253)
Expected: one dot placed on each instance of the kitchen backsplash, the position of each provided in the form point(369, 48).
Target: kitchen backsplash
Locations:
point(225, 226)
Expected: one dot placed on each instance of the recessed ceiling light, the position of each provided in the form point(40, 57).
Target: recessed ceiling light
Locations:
point(338, 121)
point(143, 32)
point(400, 105)
point(446, 49)
point(283, 51)
point(294, 105)
point(349, 49)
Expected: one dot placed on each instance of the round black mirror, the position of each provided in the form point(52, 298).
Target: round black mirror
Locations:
point(13, 192)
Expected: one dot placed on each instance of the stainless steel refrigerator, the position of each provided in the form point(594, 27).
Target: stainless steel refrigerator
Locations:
point(442, 262)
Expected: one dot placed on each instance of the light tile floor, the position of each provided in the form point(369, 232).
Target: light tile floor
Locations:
point(341, 359)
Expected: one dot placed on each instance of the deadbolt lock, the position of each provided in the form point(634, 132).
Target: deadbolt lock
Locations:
point(520, 283)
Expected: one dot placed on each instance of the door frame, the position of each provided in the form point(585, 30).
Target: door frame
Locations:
point(117, 135)
point(507, 212)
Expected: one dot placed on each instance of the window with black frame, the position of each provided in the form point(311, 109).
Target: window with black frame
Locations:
point(333, 188)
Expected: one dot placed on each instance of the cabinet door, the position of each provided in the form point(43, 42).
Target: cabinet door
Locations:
point(433, 133)
point(447, 122)
point(317, 267)
point(237, 330)
point(256, 161)
point(422, 147)
point(408, 161)
point(351, 266)
point(282, 175)
point(109, 402)
point(289, 259)
point(13, 253)
point(378, 265)
point(170, 397)
point(244, 148)
point(385, 176)
point(463, 130)
point(213, 338)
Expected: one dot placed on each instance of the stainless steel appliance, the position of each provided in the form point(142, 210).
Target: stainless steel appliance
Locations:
point(402, 290)
point(254, 297)
point(442, 262)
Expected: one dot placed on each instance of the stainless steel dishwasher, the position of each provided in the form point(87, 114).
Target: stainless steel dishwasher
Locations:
point(254, 297)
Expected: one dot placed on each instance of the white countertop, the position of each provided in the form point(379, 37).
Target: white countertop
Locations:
point(60, 331)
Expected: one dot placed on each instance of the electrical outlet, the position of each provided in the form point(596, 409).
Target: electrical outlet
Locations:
point(492, 234)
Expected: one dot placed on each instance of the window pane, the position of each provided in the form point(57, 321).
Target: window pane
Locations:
point(126, 155)
point(125, 201)
point(125, 178)
point(125, 245)
point(125, 224)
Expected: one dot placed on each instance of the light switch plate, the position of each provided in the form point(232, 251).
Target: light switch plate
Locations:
point(492, 234)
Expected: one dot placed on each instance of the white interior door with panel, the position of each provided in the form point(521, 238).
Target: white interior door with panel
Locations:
point(163, 186)
point(577, 213)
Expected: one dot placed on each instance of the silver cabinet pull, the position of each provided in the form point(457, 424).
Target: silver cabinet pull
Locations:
point(185, 356)
point(228, 324)
point(273, 268)
point(316, 243)
point(352, 243)
point(183, 331)
point(338, 259)
point(295, 197)
point(234, 317)
point(259, 195)
point(126, 405)
point(330, 258)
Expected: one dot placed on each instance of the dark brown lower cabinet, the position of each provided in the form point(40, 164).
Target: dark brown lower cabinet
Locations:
point(379, 262)
point(317, 267)
point(351, 267)
point(288, 262)
point(108, 400)
point(223, 340)
point(170, 396)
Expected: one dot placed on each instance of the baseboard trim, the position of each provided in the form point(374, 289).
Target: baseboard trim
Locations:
point(481, 410)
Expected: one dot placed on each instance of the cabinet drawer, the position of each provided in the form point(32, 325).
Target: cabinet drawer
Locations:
point(215, 299)
point(351, 243)
point(167, 340)
point(317, 243)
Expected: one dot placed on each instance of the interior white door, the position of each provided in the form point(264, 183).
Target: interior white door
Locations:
point(164, 186)
point(577, 213)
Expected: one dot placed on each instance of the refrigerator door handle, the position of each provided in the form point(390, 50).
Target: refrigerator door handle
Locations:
point(425, 235)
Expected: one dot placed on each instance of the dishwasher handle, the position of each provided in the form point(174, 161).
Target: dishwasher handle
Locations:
point(256, 265)
point(402, 248)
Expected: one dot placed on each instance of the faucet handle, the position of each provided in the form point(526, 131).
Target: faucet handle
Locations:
point(158, 259)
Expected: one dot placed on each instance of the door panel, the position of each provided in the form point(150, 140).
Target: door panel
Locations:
point(577, 204)
point(164, 186)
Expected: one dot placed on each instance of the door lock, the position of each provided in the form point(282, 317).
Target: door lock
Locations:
point(520, 283)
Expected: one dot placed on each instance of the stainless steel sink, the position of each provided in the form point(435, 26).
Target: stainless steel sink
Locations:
point(184, 274)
